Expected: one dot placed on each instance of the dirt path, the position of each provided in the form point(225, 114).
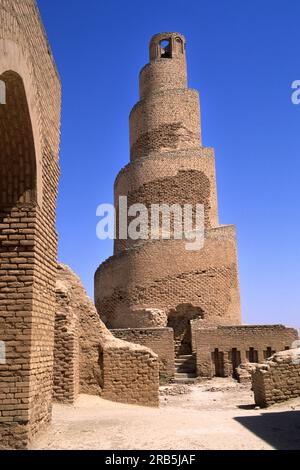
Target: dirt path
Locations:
point(216, 414)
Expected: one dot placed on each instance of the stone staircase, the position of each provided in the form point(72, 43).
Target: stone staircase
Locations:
point(185, 369)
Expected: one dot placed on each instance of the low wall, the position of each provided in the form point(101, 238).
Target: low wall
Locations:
point(278, 379)
point(89, 359)
point(159, 340)
point(220, 350)
point(130, 374)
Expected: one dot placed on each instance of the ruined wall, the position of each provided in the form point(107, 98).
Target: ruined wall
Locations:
point(278, 379)
point(130, 374)
point(66, 340)
point(219, 350)
point(29, 145)
point(159, 340)
point(115, 369)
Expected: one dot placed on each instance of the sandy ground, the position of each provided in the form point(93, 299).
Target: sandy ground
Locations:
point(215, 414)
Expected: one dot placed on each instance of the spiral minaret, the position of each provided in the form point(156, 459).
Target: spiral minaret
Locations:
point(169, 165)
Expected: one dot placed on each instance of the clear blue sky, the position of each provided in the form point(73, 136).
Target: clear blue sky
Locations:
point(243, 57)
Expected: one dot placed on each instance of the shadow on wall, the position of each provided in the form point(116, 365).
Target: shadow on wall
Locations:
point(281, 430)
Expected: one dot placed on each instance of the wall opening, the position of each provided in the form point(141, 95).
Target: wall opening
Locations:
point(252, 355)
point(165, 49)
point(179, 45)
point(2, 92)
point(235, 359)
point(218, 361)
point(18, 228)
point(17, 150)
point(180, 320)
point(268, 352)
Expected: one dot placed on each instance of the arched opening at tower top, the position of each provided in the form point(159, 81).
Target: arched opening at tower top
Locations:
point(17, 151)
point(166, 49)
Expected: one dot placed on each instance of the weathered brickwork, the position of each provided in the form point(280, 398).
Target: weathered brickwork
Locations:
point(89, 359)
point(278, 379)
point(221, 350)
point(159, 340)
point(169, 166)
point(29, 145)
point(131, 375)
point(145, 278)
point(66, 341)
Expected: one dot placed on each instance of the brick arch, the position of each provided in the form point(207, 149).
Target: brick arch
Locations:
point(17, 150)
point(14, 61)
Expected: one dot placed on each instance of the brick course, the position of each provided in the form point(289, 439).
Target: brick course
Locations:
point(29, 144)
point(247, 343)
point(89, 359)
point(278, 379)
point(159, 340)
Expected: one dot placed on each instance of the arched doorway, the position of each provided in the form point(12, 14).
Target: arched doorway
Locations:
point(180, 320)
point(18, 196)
point(17, 150)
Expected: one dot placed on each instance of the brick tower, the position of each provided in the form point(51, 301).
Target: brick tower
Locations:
point(158, 283)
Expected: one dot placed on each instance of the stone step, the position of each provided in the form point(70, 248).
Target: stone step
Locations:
point(185, 370)
point(185, 375)
point(186, 381)
point(184, 361)
point(181, 360)
point(181, 363)
point(185, 356)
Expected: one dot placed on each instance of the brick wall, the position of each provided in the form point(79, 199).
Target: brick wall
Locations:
point(278, 379)
point(144, 278)
point(66, 341)
point(130, 374)
point(219, 350)
point(106, 366)
point(29, 144)
point(159, 340)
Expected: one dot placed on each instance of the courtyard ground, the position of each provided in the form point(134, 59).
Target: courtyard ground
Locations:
point(214, 414)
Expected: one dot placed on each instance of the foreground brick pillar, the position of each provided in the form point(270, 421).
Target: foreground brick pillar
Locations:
point(29, 143)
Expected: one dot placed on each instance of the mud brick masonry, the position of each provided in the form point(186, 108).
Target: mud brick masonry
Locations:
point(29, 173)
point(164, 304)
point(150, 285)
point(89, 359)
point(237, 345)
point(278, 379)
point(29, 145)
point(159, 340)
point(169, 165)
